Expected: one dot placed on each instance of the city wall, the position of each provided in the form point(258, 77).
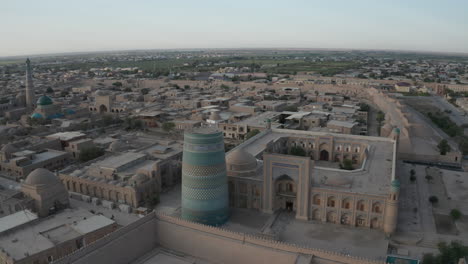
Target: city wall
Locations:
point(205, 242)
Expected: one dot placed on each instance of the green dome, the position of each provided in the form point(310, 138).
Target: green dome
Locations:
point(36, 116)
point(44, 100)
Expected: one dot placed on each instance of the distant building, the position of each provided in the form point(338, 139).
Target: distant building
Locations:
point(403, 87)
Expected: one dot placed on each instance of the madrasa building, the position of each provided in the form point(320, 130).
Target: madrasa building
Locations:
point(330, 178)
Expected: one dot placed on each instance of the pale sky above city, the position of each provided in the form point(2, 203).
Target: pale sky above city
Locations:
point(53, 26)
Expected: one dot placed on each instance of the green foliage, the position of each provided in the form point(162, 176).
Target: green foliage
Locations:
point(133, 124)
point(252, 133)
point(49, 90)
point(455, 214)
point(429, 178)
point(128, 90)
point(168, 126)
point(347, 164)
point(433, 199)
point(448, 253)
point(364, 107)
point(64, 93)
point(152, 200)
point(412, 172)
point(444, 123)
point(412, 178)
point(291, 108)
point(443, 147)
point(144, 91)
point(298, 151)
point(225, 87)
point(380, 117)
point(117, 84)
point(90, 153)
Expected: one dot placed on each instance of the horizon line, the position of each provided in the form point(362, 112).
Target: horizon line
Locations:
point(451, 53)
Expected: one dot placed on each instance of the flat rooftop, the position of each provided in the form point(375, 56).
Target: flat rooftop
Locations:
point(374, 177)
point(47, 232)
point(260, 120)
point(16, 219)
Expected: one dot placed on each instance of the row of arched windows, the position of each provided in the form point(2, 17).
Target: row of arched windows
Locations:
point(347, 203)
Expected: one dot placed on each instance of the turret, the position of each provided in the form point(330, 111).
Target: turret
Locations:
point(391, 208)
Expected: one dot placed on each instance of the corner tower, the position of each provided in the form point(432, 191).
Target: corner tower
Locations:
point(29, 86)
point(204, 179)
point(391, 208)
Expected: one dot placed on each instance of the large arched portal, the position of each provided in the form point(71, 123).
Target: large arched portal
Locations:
point(285, 188)
point(324, 155)
point(102, 109)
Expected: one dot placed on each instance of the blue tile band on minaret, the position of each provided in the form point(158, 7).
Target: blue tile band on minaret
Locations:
point(204, 179)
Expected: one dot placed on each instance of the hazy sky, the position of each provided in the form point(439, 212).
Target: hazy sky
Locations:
point(49, 26)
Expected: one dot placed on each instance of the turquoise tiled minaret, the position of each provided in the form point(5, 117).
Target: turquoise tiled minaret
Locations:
point(204, 179)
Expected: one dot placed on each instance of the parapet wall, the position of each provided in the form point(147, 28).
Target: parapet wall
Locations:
point(219, 245)
point(119, 247)
point(216, 245)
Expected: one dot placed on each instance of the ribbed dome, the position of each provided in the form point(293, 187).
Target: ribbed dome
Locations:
point(44, 100)
point(241, 161)
point(41, 176)
point(9, 148)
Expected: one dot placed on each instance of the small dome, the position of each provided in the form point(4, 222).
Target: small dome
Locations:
point(139, 179)
point(20, 95)
point(215, 116)
point(117, 146)
point(99, 93)
point(241, 161)
point(36, 116)
point(41, 176)
point(9, 148)
point(44, 100)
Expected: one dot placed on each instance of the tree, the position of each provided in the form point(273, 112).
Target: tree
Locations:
point(347, 164)
point(144, 91)
point(380, 117)
point(412, 172)
point(252, 133)
point(90, 153)
point(443, 147)
point(298, 151)
point(364, 107)
point(429, 178)
point(117, 84)
point(412, 178)
point(168, 126)
point(128, 89)
point(455, 214)
point(49, 90)
point(448, 253)
point(433, 199)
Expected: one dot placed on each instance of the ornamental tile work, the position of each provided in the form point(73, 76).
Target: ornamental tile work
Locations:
point(204, 179)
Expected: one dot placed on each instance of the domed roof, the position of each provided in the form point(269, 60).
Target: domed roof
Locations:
point(9, 148)
point(138, 179)
point(36, 116)
point(215, 116)
point(241, 160)
point(44, 100)
point(41, 176)
point(100, 93)
point(117, 146)
point(20, 95)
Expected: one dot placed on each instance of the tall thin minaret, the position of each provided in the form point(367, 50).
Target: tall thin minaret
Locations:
point(29, 86)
